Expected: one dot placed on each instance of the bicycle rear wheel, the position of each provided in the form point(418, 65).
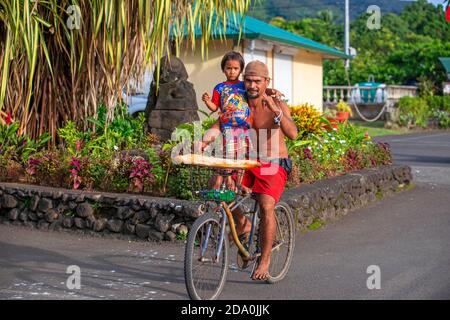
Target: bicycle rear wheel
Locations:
point(283, 247)
point(205, 273)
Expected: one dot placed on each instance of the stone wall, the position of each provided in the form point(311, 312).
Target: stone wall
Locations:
point(120, 215)
point(332, 198)
point(137, 217)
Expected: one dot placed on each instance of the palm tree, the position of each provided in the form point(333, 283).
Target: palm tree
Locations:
point(60, 59)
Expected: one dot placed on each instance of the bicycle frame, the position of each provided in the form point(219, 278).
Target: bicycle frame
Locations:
point(206, 260)
point(226, 211)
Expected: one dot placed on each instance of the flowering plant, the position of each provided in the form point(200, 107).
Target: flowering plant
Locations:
point(307, 118)
point(342, 106)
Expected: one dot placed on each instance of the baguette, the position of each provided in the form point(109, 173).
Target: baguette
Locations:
point(205, 161)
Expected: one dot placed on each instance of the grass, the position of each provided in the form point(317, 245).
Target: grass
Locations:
point(379, 194)
point(183, 236)
point(376, 129)
point(317, 224)
point(69, 213)
point(405, 187)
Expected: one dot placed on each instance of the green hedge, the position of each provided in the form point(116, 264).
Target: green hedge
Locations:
point(419, 111)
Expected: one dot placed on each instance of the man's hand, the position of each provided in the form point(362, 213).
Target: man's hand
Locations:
point(270, 103)
point(274, 93)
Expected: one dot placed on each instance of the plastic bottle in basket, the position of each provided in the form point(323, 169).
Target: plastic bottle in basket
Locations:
point(221, 195)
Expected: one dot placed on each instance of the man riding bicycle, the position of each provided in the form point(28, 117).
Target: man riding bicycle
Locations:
point(271, 122)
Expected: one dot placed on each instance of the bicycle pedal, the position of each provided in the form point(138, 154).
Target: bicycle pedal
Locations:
point(241, 262)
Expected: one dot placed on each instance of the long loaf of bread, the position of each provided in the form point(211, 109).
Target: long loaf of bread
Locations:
point(205, 161)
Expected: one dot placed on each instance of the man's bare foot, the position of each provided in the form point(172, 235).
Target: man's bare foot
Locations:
point(262, 272)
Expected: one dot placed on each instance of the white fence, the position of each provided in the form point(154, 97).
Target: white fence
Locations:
point(367, 95)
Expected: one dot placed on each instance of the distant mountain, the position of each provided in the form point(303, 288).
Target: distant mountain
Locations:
point(297, 9)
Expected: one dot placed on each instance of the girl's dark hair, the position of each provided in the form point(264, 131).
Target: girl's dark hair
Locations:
point(233, 55)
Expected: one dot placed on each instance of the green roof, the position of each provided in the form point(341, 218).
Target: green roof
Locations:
point(256, 29)
point(446, 63)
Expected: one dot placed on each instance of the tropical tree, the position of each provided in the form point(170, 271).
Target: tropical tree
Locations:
point(404, 50)
point(61, 59)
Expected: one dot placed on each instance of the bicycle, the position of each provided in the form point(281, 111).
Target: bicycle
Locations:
point(207, 248)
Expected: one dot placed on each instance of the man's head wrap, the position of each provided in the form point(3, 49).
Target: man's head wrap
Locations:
point(256, 68)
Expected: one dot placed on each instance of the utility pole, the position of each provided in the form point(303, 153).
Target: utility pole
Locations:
point(347, 33)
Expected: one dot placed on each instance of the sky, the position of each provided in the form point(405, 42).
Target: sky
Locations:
point(436, 2)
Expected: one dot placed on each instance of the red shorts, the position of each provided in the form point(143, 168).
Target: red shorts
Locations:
point(269, 179)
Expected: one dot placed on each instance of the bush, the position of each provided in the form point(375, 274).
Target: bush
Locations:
point(179, 184)
point(441, 103)
point(116, 158)
point(307, 118)
point(10, 170)
point(439, 107)
point(420, 110)
point(442, 118)
point(305, 169)
point(381, 152)
point(99, 172)
point(446, 103)
point(49, 167)
point(159, 160)
point(86, 160)
point(413, 111)
point(367, 155)
point(332, 145)
point(336, 152)
point(19, 146)
point(123, 133)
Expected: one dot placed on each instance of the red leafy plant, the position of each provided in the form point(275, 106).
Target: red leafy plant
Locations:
point(32, 166)
point(75, 168)
point(353, 159)
point(141, 173)
point(307, 153)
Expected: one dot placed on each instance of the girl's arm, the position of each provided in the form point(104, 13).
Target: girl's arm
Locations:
point(207, 100)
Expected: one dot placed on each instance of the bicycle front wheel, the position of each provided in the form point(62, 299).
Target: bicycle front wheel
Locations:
point(205, 268)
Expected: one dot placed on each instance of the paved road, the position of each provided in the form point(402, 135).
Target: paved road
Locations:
point(427, 154)
point(407, 236)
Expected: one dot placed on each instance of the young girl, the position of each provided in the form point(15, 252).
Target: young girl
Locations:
point(234, 119)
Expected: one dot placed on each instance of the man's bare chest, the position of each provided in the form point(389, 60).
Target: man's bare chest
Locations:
point(262, 118)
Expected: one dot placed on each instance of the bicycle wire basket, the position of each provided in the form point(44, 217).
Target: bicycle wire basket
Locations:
point(202, 180)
